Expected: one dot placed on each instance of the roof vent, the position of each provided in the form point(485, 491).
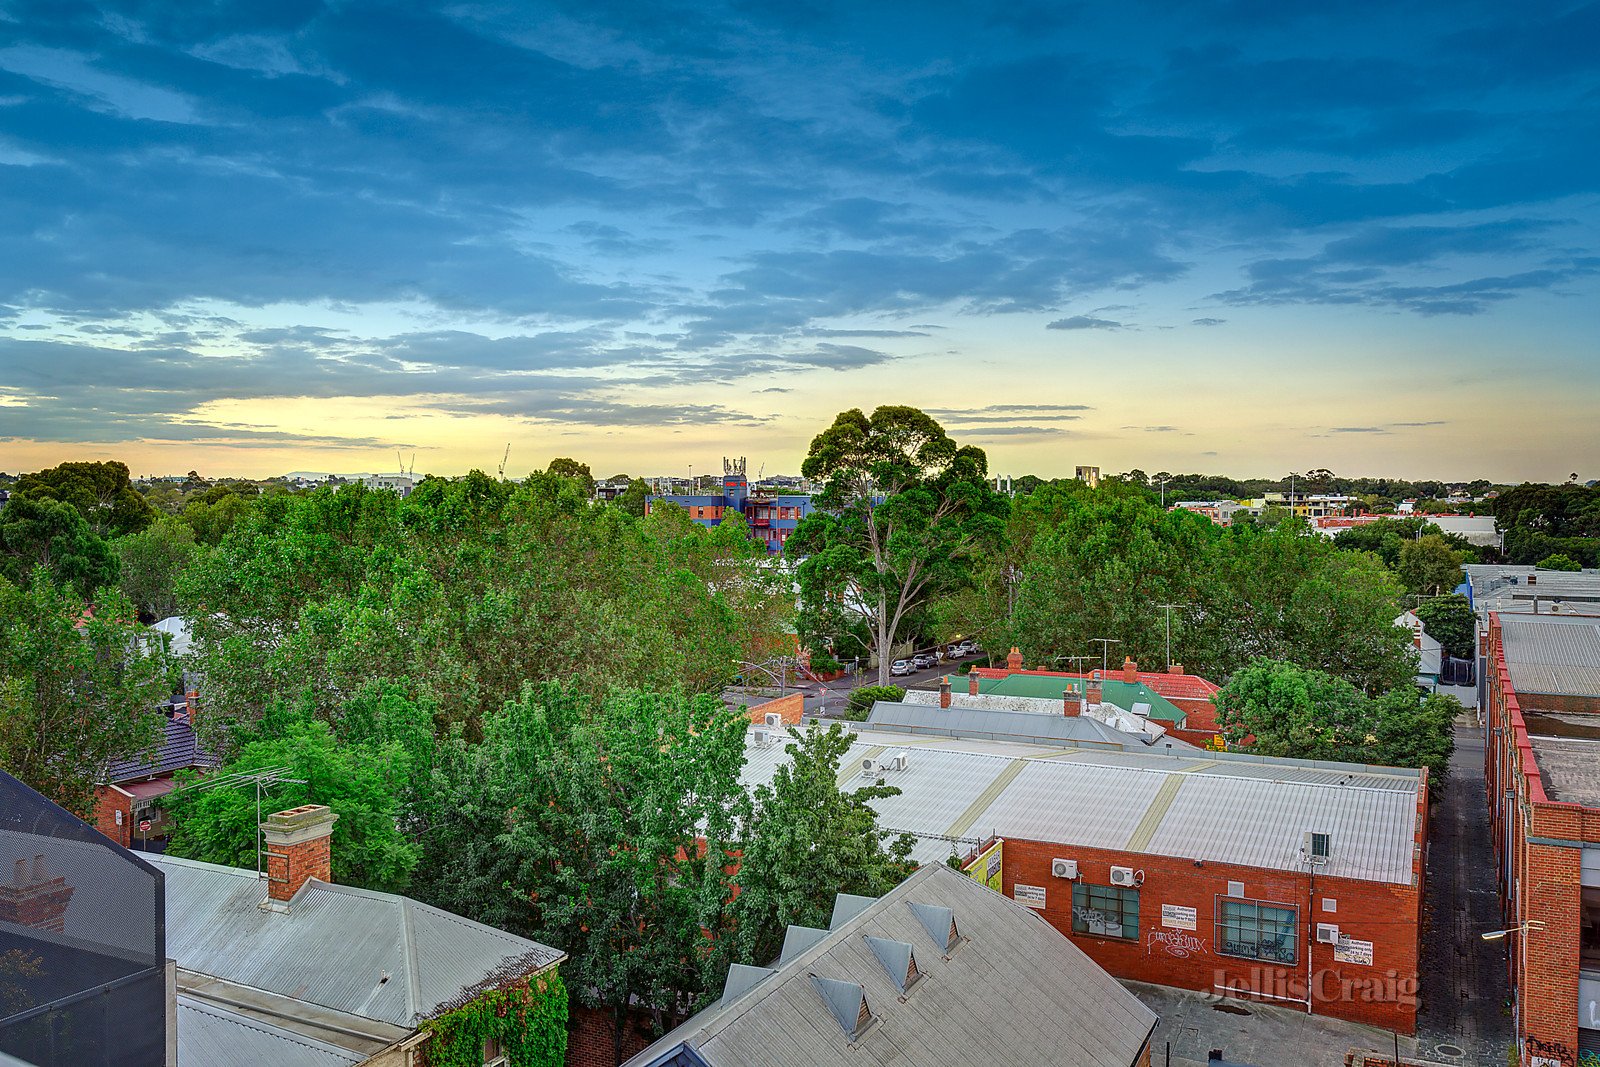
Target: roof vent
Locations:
point(847, 906)
point(848, 1003)
point(742, 979)
point(940, 923)
point(898, 959)
point(797, 939)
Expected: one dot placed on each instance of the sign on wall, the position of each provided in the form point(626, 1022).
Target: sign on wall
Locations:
point(1031, 896)
point(1349, 950)
point(1178, 917)
point(988, 867)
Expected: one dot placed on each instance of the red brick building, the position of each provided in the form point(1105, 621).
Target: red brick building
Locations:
point(1542, 765)
point(1289, 881)
point(125, 803)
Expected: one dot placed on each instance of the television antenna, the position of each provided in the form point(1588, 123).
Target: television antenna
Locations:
point(263, 779)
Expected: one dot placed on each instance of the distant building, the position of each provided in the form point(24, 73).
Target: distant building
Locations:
point(939, 970)
point(398, 483)
point(771, 517)
point(1309, 505)
point(1543, 733)
point(1089, 476)
point(126, 803)
point(1220, 512)
point(1520, 588)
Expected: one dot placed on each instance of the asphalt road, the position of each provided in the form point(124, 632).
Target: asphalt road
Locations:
point(828, 698)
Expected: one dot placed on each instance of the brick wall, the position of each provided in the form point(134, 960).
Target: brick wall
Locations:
point(591, 1041)
point(1577, 705)
point(109, 800)
point(790, 707)
point(35, 899)
point(1382, 994)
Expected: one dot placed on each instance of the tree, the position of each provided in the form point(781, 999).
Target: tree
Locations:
point(571, 468)
point(902, 512)
point(101, 492)
point(1558, 561)
point(151, 562)
point(1451, 621)
point(1278, 709)
point(606, 829)
point(633, 499)
point(862, 698)
point(1429, 565)
point(53, 538)
point(359, 782)
point(806, 841)
point(78, 689)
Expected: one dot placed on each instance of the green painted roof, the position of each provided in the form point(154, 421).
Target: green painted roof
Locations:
point(1123, 694)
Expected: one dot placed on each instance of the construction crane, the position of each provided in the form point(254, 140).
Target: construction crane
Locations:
point(503, 460)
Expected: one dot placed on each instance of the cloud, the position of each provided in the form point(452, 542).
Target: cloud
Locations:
point(1207, 322)
point(1085, 322)
point(1433, 422)
point(1160, 429)
point(1357, 429)
point(981, 432)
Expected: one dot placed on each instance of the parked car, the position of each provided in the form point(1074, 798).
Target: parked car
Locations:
point(924, 660)
point(955, 650)
point(900, 666)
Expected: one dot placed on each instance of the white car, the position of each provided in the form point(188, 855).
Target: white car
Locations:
point(900, 666)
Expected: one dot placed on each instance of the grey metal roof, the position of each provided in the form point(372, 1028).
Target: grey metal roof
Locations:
point(1553, 655)
point(214, 1036)
point(1014, 990)
point(376, 955)
point(956, 791)
point(916, 717)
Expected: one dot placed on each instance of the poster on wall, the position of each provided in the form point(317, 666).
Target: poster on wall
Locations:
point(1178, 917)
point(988, 868)
point(1349, 950)
point(1031, 896)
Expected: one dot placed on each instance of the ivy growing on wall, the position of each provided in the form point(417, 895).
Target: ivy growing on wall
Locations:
point(525, 1017)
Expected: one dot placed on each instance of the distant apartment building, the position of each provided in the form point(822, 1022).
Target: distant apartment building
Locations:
point(1520, 588)
point(1220, 512)
point(397, 483)
point(1310, 505)
point(1089, 476)
point(1543, 780)
point(770, 516)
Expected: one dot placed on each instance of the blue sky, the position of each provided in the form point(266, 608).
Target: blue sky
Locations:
point(1232, 236)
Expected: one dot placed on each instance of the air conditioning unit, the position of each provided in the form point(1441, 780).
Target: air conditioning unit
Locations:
point(1317, 846)
point(1064, 868)
point(1327, 934)
point(1123, 876)
point(897, 760)
point(759, 737)
point(870, 765)
point(773, 718)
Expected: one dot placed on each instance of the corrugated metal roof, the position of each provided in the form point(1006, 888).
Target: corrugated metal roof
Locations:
point(1230, 807)
point(217, 1037)
point(1014, 991)
point(1000, 725)
point(1113, 691)
point(376, 955)
point(1552, 655)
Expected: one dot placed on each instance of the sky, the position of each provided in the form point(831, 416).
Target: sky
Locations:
point(1230, 236)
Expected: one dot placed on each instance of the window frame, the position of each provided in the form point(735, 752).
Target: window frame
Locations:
point(1122, 896)
point(1221, 927)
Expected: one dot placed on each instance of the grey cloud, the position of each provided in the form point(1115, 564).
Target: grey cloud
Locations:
point(981, 432)
point(1085, 322)
point(1207, 322)
point(1357, 429)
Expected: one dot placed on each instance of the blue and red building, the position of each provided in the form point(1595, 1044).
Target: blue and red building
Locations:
point(771, 517)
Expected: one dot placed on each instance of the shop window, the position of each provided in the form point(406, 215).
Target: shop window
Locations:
point(1257, 931)
point(1105, 911)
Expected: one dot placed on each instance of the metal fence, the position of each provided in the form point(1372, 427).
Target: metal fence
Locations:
point(82, 942)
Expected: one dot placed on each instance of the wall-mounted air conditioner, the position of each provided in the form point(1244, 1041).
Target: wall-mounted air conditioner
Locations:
point(898, 760)
point(1123, 876)
point(1327, 934)
point(773, 718)
point(1064, 868)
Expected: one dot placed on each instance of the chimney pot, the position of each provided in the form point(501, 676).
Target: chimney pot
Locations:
point(944, 692)
point(1174, 668)
point(1014, 660)
point(1533, 579)
point(39, 868)
point(21, 875)
point(1130, 670)
point(297, 846)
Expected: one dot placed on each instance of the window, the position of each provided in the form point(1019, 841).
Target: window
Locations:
point(1257, 931)
point(1105, 911)
point(1589, 932)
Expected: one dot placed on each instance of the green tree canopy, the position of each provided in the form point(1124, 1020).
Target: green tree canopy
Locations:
point(807, 841)
point(101, 492)
point(1450, 621)
point(1429, 565)
point(150, 563)
point(563, 467)
point(52, 537)
point(901, 515)
point(1279, 709)
point(1559, 561)
point(77, 690)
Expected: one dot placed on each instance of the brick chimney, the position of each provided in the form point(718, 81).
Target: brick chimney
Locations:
point(1092, 693)
point(1130, 670)
point(1014, 660)
point(1533, 579)
point(1174, 668)
point(944, 692)
point(972, 683)
point(35, 900)
point(1069, 703)
point(297, 849)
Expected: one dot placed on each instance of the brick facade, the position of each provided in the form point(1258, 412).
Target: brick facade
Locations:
point(1538, 850)
point(1387, 915)
point(110, 802)
point(34, 899)
point(591, 1041)
point(790, 707)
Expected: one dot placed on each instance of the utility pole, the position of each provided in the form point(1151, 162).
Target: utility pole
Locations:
point(1105, 644)
point(1169, 608)
point(1164, 482)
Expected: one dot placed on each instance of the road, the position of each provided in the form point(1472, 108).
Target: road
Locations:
point(825, 699)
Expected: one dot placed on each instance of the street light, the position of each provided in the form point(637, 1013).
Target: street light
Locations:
point(1532, 925)
point(782, 678)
